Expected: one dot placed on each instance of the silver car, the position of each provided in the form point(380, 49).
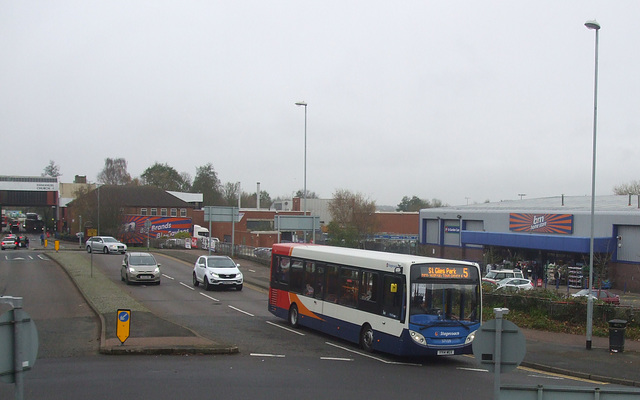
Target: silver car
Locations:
point(140, 267)
point(105, 244)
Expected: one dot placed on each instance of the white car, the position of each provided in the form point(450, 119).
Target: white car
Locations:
point(219, 271)
point(105, 244)
point(515, 284)
point(496, 275)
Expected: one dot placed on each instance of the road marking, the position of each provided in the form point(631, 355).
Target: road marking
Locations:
point(561, 376)
point(239, 310)
point(285, 328)
point(336, 359)
point(40, 256)
point(267, 355)
point(209, 297)
point(187, 286)
point(252, 270)
point(168, 277)
point(372, 357)
point(473, 369)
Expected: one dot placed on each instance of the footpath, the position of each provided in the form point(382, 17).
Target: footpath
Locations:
point(559, 353)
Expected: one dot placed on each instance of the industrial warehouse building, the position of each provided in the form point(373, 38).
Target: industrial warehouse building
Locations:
point(539, 232)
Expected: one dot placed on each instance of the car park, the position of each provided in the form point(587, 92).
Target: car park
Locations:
point(140, 267)
point(514, 284)
point(496, 275)
point(217, 271)
point(105, 244)
point(9, 242)
point(599, 294)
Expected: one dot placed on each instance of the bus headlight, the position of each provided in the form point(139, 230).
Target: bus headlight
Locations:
point(417, 337)
point(470, 337)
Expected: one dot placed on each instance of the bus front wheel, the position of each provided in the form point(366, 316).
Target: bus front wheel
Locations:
point(293, 316)
point(366, 338)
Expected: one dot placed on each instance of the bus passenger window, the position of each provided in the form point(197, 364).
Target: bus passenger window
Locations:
point(296, 274)
point(349, 287)
point(332, 284)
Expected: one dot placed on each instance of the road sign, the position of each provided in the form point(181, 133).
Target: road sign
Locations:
point(296, 222)
point(27, 337)
point(123, 325)
point(512, 350)
point(221, 214)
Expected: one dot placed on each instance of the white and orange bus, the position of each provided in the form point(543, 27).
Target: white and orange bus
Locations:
point(394, 303)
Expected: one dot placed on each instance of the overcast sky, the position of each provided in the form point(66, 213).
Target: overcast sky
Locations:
point(463, 101)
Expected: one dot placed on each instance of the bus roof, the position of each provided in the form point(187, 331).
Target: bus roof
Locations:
point(356, 257)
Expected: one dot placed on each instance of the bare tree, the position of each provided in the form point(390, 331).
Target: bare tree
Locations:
point(353, 217)
point(632, 187)
point(114, 172)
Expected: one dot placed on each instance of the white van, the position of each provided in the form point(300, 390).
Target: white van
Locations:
point(496, 275)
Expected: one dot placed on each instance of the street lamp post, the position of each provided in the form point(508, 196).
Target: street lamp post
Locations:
point(304, 104)
point(595, 26)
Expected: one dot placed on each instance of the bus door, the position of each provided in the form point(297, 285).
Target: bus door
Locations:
point(313, 293)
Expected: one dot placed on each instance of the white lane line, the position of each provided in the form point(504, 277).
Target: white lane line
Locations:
point(252, 270)
point(40, 256)
point(168, 277)
point(267, 355)
point(187, 286)
point(209, 297)
point(336, 359)
point(372, 357)
point(239, 310)
point(473, 369)
point(285, 328)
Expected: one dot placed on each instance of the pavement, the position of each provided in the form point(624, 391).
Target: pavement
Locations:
point(558, 353)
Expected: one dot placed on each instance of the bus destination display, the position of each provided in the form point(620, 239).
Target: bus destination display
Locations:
point(444, 271)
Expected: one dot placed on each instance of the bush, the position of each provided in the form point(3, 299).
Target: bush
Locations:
point(547, 310)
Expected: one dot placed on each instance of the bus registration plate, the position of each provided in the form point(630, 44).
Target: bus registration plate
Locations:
point(445, 352)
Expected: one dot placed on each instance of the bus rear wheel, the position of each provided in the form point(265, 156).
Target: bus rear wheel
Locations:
point(366, 338)
point(293, 316)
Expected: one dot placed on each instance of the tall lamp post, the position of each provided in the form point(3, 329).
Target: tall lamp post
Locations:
point(595, 26)
point(304, 104)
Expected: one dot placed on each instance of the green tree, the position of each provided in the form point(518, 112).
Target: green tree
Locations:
point(207, 183)
point(51, 170)
point(416, 204)
point(310, 195)
point(114, 172)
point(353, 217)
point(166, 177)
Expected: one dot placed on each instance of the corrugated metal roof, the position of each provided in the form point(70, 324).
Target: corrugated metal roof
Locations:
point(613, 203)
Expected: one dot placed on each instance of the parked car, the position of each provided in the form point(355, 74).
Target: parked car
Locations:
point(9, 242)
point(218, 271)
point(140, 267)
point(105, 244)
point(515, 284)
point(496, 275)
point(599, 294)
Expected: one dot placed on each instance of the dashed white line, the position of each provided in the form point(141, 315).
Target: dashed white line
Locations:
point(336, 359)
point(473, 369)
point(168, 277)
point(252, 270)
point(209, 297)
point(285, 328)
point(267, 355)
point(187, 286)
point(242, 311)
